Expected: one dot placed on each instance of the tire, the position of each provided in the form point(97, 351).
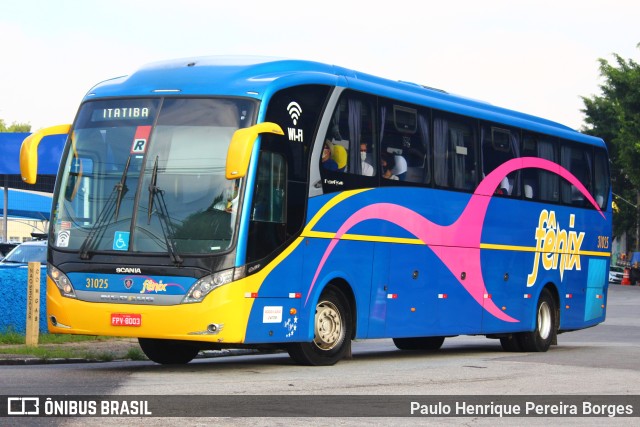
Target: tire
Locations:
point(168, 352)
point(426, 343)
point(511, 343)
point(332, 332)
point(546, 329)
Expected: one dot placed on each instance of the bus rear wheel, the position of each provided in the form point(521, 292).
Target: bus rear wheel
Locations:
point(540, 339)
point(168, 352)
point(426, 343)
point(332, 332)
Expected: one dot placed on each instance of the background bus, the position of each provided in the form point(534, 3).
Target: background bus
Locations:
point(214, 203)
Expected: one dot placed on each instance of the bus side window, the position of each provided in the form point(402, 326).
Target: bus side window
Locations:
point(351, 141)
point(454, 153)
point(500, 145)
point(578, 161)
point(418, 153)
point(354, 119)
point(267, 228)
point(539, 184)
point(601, 178)
point(270, 190)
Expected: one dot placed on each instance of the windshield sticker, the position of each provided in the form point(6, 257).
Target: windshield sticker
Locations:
point(62, 240)
point(140, 139)
point(121, 241)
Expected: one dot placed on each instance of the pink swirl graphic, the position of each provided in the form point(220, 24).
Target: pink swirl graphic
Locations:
point(457, 245)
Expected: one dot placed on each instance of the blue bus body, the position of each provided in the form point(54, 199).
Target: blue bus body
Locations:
point(428, 258)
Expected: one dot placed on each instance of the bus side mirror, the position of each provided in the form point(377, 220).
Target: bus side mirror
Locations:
point(29, 151)
point(241, 147)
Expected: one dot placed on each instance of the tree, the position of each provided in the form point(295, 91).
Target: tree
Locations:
point(15, 127)
point(615, 117)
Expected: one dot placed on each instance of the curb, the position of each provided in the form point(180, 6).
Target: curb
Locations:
point(13, 359)
point(21, 360)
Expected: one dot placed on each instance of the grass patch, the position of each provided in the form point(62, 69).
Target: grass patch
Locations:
point(11, 337)
point(63, 346)
point(41, 352)
point(62, 353)
point(135, 354)
point(65, 338)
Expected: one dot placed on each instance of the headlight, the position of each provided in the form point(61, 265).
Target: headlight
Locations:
point(208, 283)
point(61, 281)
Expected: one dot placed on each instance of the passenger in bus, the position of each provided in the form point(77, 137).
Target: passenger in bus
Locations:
point(400, 169)
point(388, 163)
point(228, 201)
point(504, 189)
point(327, 162)
point(367, 169)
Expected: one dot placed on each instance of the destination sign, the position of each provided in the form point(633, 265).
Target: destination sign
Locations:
point(124, 113)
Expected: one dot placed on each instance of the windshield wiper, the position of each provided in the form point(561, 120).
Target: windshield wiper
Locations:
point(163, 214)
point(121, 187)
point(112, 202)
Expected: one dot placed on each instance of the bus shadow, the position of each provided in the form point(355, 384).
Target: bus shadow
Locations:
point(281, 358)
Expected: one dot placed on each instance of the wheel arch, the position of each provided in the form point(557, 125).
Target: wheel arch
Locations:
point(344, 287)
point(551, 287)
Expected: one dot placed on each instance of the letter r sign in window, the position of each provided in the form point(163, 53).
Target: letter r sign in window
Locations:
point(140, 139)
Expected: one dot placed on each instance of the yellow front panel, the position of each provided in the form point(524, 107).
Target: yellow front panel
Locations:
point(226, 306)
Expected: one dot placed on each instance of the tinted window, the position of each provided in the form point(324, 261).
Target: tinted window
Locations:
point(405, 141)
point(577, 160)
point(601, 178)
point(454, 153)
point(349, 152)
point(297, 110)
point(500, 145)
point(280, 190)
point(540, 184)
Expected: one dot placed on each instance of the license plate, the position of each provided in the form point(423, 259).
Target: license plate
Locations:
point(126, 319)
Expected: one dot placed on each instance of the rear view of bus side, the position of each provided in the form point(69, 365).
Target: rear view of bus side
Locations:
point(213, 203)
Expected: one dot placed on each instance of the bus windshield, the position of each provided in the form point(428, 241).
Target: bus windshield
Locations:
point(147, 175)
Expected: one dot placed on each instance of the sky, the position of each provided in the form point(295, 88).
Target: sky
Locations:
point(539, 57)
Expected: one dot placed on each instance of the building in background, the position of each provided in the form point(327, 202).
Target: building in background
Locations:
point(25, 208)
point(28, 212)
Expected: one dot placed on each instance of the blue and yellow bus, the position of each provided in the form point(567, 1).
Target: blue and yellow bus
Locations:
point(225, 202)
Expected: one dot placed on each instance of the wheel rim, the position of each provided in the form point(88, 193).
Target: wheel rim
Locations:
point(328, 329)
point(544, 321)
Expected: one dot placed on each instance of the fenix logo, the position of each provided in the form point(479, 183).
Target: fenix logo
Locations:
point(556, 247)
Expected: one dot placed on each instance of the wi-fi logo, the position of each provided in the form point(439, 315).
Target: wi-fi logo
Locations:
point(294, 110)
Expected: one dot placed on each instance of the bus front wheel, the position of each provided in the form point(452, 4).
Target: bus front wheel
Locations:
point(168, 352)
point(332, 332)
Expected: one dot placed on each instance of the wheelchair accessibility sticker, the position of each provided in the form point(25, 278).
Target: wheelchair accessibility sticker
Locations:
point(121, 241)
